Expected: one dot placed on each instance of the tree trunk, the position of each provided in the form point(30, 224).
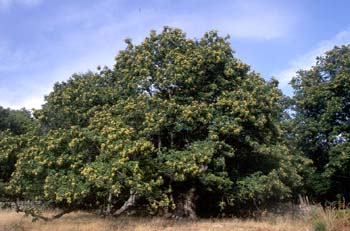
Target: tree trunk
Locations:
point(171, 139)
point(129, 203)
point(109, 204)
point(159, 141)
point(185, 205)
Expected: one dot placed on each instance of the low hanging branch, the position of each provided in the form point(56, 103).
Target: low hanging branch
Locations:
point(129, 203)
point(36, 215)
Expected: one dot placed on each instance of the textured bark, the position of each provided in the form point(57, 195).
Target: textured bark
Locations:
point(109, 203)
point(185, 205)
point(129, 203)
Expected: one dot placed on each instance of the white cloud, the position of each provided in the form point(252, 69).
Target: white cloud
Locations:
point(308, 59)
point(30, 92)
point(23, 96)
point(92, 35)
point(5, 4)
point(30, 102)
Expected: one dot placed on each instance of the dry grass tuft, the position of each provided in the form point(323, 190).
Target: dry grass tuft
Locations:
point(82, 221)
point(331, 219)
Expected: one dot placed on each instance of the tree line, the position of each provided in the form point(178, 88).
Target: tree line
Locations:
point(181, 126)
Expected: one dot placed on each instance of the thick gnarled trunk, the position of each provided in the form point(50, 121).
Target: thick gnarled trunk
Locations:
point(185, 205)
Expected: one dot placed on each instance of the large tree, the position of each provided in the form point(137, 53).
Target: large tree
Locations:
point(322, 121)
point(176, 123)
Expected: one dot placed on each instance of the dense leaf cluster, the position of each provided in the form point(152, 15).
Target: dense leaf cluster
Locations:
point(322, 106)
point(14, 127)
point(176, 117)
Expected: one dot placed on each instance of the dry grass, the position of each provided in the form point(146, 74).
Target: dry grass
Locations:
point(81, 221)
point(331, 219)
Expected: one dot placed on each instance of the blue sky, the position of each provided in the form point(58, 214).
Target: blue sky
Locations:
point(45, 41)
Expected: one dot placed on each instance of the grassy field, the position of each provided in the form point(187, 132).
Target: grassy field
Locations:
point(80, 221)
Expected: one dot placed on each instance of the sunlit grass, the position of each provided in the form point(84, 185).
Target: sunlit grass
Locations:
point(81, 221)
point(331, 219)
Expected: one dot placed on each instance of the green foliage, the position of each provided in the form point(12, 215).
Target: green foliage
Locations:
point(71, 102)
point(319, 226)
point(322, 122)
point(15, 127)
point(16, 121)
point(173, 114)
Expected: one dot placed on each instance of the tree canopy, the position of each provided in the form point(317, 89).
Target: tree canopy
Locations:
point(16, 121)
point(15, 125)
point(322, 121)
point(180, 126)
point(175, 119)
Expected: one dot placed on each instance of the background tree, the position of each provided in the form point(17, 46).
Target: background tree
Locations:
point(322, 121)
point(16, 121)
point(15, 126)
